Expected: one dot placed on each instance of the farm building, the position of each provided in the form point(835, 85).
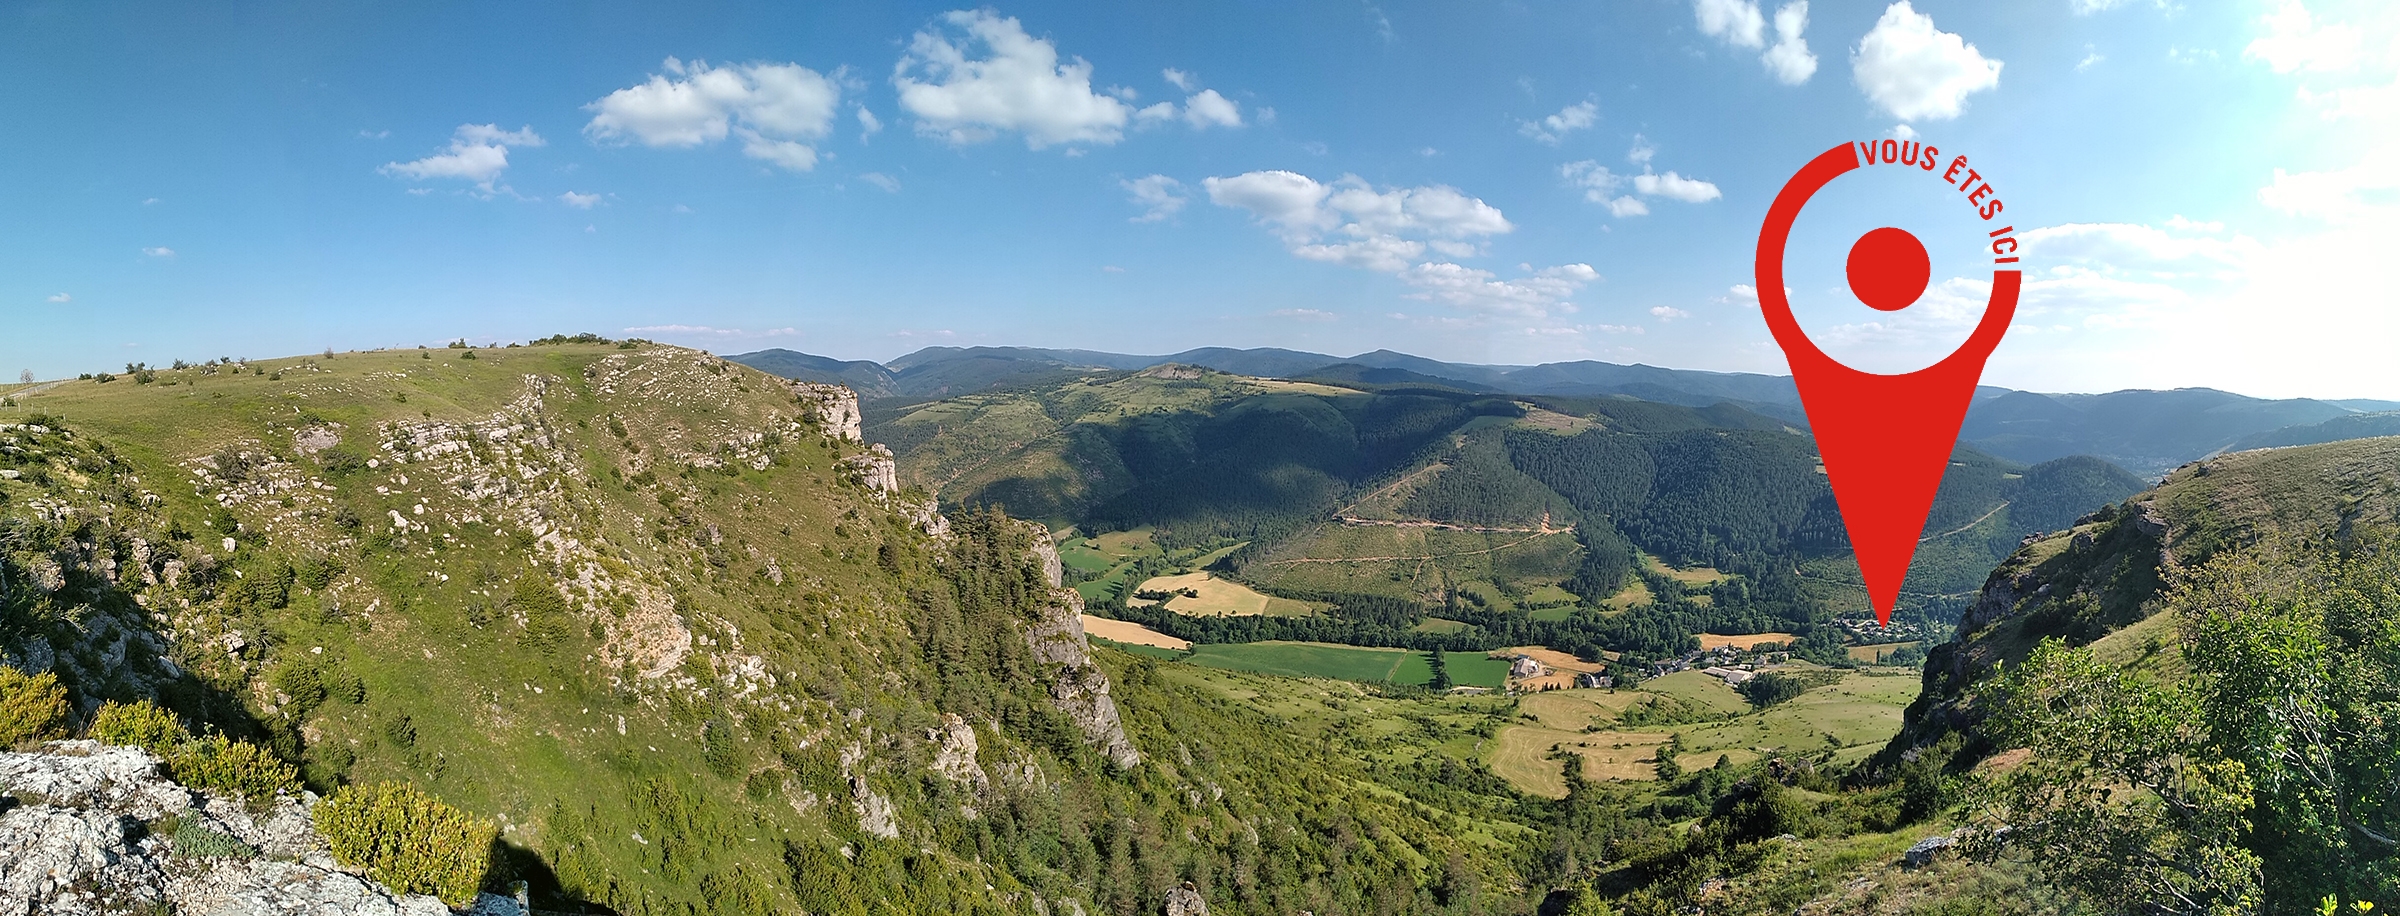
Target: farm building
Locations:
point(1595, 681)
point(1523, 666)
point(1731, 676)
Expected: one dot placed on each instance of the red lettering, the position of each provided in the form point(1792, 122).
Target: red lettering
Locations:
point(1866, 151)
point(1972, 177)
point(1990, 209)
point(1926, 161)
point(1908, 153)
point(2004, 230)
point(1980, 194)
point(1951, 175)
point(2011, 243)
point(1891, 150)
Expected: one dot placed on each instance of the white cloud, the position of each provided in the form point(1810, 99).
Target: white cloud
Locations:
point(147, 201)
point(1179, 79)
point(1387, 230)
point(1789, 60)
point(1668, 312)
point(1677, 187)
point(1019, 85)
point(1207, 108)
point(1289, 200)
point(1158, 195)
point(889, 184)
point(160, 252)
point(1735, 22)
point(2091, 58)
point(1642, 152)
point(1317, 315)
point(2295, 41)
point(1601, 186)
point(702, 330)
point(1481, 291)
point(373, 134)
point(1568, 120)
point(1903, 132)
point(477, 153)
point(772, 107)
point(579, 201)
point(62, 297)
point(1159, 113)
point(868, 123)
point(1917, 72)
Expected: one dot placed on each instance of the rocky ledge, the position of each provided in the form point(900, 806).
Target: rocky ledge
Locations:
point(87, 828)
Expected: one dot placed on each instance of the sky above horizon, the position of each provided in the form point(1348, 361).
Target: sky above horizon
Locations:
point(2206, 193)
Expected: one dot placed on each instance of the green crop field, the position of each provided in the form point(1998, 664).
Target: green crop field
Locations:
point(1304, 659)
point(1468, 670)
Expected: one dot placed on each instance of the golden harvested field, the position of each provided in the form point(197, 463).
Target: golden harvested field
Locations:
point(1712, 640)
point(1132, 633)
point(1218, 598)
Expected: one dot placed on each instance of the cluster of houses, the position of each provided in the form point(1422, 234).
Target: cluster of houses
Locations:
point(1869, 631)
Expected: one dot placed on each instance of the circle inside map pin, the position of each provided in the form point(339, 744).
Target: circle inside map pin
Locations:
point(1888, 269)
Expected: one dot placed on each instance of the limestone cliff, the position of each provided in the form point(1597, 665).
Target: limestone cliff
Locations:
point(1078, 686)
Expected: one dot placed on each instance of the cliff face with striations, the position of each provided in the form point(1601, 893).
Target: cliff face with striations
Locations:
point(1077, 685)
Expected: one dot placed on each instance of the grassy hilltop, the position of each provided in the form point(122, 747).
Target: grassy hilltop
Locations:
point(638, 605)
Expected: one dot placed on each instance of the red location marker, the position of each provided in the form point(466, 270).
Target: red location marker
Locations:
point(1885, 439)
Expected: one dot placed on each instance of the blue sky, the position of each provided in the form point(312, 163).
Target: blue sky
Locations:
point(2206, 191)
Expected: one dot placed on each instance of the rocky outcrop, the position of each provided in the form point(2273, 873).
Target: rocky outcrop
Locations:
point(874, 469)
point(834, 406)
point(86, 830)
point(1186, 901)
point(1078, 688)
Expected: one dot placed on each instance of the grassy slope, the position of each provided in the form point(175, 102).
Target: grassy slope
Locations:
point(687, 694)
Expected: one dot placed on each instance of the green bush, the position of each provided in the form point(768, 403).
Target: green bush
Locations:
point(193, 838)
point(408, 840)
point(32, 707)
point(143, 725)
point(239, 767)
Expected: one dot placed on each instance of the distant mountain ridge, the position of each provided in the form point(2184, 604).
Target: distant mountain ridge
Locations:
point(2146, 431)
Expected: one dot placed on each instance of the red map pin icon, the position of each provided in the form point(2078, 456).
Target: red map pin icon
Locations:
point(1885, 439)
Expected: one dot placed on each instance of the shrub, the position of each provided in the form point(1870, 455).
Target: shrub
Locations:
point(32, 707)
point(238, 767)
point(408, 840)
point(193, 838)
point(143, 725)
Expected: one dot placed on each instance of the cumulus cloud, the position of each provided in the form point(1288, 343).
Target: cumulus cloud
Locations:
point(579, 201)
point(477, 153)
point(2295, 41)
point(1179, 79)
point(1675, 187)
point(1789, 60)
point(776, 110)
point(1387, 230)
point(702, 330)
point(980, 74)
point(159, 252)
point(1917, 72)
point(1206, 108)
point(1602, 186)
point(1739, 23)
point(1158, 195)
point(1735, 22)
point(1568, 120)
point(1668, 312)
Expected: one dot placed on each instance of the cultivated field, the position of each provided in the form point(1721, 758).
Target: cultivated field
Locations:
point(1311, 659)
point(1854, 715)
point(1712, 640)
point(1218, 598)
point(1130, 633)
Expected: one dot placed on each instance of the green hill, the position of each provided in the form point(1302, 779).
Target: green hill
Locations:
point(1390, 502)
point(659, 618)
